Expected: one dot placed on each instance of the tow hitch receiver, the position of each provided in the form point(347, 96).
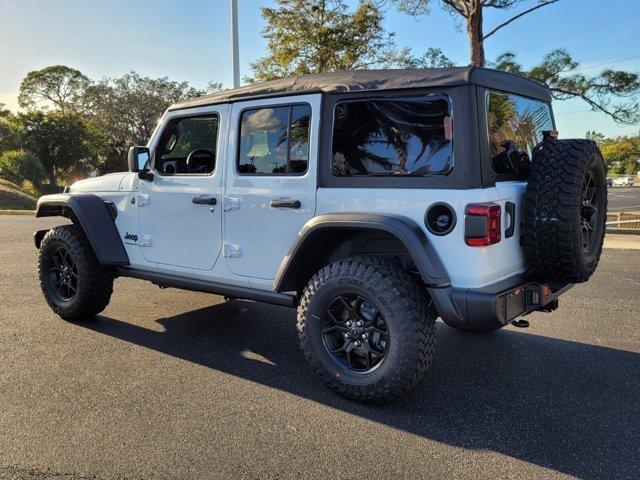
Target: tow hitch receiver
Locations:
point(529, 298)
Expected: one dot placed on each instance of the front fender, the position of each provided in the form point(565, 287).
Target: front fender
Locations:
point(96, 218)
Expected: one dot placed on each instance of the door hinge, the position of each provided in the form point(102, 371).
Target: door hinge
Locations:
point(142, 199)
point(231, 250)
point(230, 203)
point(145, 240)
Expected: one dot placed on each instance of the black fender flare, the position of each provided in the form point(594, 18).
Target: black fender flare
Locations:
point(414, 239)
point(94, 215)
point(404, 229)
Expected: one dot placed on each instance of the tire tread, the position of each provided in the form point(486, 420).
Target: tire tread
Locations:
point(98, 279)
point(415, 317)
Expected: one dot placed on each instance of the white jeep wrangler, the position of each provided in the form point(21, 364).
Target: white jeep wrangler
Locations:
point(374, 201)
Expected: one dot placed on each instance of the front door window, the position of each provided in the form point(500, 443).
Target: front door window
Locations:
point(188, 146)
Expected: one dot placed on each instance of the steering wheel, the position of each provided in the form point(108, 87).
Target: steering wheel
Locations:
point(196, 156)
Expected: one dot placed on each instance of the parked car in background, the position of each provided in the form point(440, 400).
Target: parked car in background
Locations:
point(609, 182)
point(623, 182)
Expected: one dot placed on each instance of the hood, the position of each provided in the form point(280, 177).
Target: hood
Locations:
point(106, 183)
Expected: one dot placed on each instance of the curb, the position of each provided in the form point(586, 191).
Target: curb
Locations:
point(622, 231)
point(622, 241)
point(17, 212)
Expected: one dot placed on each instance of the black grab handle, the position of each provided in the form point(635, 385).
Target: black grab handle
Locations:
point(285, 204)
point(204, 200)
point(510, 208)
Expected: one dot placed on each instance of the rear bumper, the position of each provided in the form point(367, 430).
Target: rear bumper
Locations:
point(497, 304)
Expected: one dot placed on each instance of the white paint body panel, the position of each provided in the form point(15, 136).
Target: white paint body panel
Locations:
point(263, 233)
point(467, 266)
point(118, 188)
point(181, 233)
point(106, 183)
point(188, 239)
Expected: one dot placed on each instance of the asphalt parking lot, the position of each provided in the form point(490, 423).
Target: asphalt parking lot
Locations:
point(171, 384)
point(623, 199)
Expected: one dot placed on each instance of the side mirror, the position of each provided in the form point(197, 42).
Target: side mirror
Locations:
point(138, 159)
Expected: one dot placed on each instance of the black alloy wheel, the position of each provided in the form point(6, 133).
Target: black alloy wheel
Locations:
point(355, 334)
point(62, 275)
point(588, 211)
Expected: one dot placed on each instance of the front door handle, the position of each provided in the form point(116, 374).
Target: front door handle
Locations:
point(204, 200)
point(285, 203)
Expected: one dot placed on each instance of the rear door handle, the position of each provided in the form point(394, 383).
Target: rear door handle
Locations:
point(510, 208)
point(285, 204)
point(204, 200)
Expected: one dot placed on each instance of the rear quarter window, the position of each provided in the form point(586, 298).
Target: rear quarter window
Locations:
point(392, 137)
point(512, 118)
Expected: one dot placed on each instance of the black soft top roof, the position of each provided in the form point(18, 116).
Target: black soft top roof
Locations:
point(375, 80)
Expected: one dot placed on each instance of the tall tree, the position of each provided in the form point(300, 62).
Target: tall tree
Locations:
point(311, 36)
point(127, 109)
point(612, 92)
point(622, 155)
point(472, 13)
point(4, 112)
point(10, 130)
point(431, 58)
point(57, 86)
point(59, 140)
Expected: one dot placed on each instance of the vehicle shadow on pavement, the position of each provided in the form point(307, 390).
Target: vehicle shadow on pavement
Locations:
point(566, 406)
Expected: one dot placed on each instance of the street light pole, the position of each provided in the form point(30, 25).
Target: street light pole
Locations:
point(234, 42)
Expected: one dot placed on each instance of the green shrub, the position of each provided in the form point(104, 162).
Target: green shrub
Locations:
point(19, 165)
point(48, 189)
point(13, 199)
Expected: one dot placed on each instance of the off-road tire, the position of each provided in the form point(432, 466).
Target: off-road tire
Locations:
point(95, 281)
point(408, 313)
point(553, 210)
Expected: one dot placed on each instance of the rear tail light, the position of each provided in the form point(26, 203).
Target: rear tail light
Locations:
point(482, 224)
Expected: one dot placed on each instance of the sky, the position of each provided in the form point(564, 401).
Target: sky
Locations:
point(190, 40)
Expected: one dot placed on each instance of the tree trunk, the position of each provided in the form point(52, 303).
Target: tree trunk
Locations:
point(50, 174)
point(474, 31)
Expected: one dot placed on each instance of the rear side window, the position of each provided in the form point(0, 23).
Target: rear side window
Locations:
point(513, 119)
point(392, 137)
point(274, 140)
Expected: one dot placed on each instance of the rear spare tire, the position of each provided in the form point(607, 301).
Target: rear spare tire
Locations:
point(565, 209)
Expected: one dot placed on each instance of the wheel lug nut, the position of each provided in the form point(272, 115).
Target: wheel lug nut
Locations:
point(359, 323)
point(346, 335)
point(348, 324)
point(364, 336)
point(356, 343)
